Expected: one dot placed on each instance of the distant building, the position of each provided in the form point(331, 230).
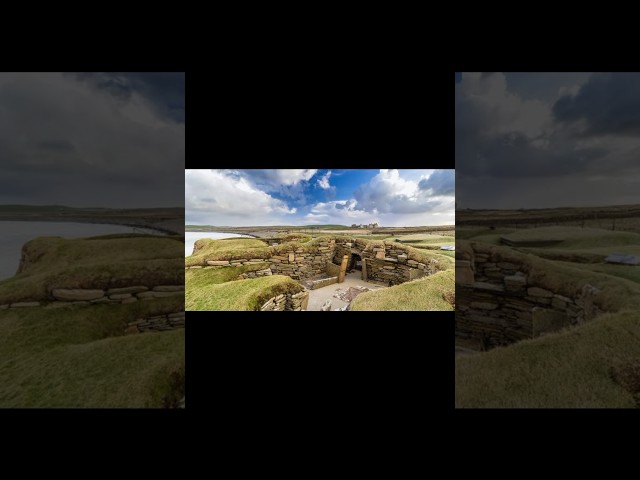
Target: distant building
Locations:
point(363, 225)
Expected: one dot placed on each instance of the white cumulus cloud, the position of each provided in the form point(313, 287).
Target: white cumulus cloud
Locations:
point(323, 182)
point(218, 197)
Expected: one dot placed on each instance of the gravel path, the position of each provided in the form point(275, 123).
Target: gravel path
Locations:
point(319, 296)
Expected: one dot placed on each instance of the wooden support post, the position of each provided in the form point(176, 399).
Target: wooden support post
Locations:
point(343, 268)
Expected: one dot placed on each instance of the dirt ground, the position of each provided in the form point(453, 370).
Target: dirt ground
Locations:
point(319, 296)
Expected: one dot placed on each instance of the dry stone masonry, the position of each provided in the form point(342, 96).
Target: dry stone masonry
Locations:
point(64, 297)
point(498, 304)
point(292, 302)
point(384, 264)
point(158, 323)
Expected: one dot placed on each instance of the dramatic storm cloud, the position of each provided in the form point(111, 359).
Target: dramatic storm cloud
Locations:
point(547, 139)
point(316, 196)
point(92, 140)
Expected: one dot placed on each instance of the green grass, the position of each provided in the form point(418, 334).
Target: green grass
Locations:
point(568, 369)
point(434, 292)
point(627, 272)
point(576, 238)
point(374, 237)
point(78, 357)
point(208, 249)
point(423, 239)
point(295, 237)
point(328, 225)
point(96, 262)
point(476, 233)
point(213, 289)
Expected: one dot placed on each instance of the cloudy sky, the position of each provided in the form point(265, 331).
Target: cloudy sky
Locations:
point(319, 196)
point(536, 140)
point(92, 139)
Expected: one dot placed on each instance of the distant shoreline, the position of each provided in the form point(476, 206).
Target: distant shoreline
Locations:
point(92, 221)
point(261, 232)
point(164, 220)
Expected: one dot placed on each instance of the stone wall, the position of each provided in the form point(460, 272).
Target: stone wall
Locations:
point(297, 262)
point(292, 302)
point(332, 270)
point(158, 323)
point(323, 282)
point(387, 264)
point(300, 264)
point(258, 273)
point(64, 297)
point(498, 303)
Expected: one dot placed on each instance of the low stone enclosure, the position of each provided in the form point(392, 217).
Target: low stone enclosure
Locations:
point(504, 296)
point(330, 258)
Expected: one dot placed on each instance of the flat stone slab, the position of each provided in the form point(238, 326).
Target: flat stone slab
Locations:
point(516, 279)
point(166, 294)
point(539, 292)
point(484, 305)
point(136, 289)
point(168, 288)
point(490, 287)
point(25, 304)
point(120, 296)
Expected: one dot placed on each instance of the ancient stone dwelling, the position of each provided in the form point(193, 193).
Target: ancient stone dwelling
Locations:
point(503, 298)
point(331, 258)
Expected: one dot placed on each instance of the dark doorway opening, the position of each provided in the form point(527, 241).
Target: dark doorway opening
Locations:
point(355, 262)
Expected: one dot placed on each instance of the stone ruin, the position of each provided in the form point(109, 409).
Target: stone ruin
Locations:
point(329, 259)
point(499, 303)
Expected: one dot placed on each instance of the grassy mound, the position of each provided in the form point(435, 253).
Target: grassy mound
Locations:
point(295, 237)
point(214, 289)
point(208, 249)
point(435, 292)
point(96, 262)
point(79, 357)
point(574, 368)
